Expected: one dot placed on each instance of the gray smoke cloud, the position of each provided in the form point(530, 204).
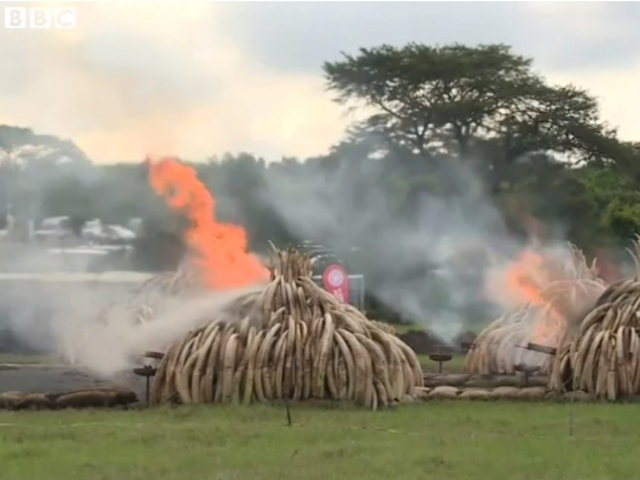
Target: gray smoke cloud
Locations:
point(92, 324)
point(118, 343)
point(432, 267)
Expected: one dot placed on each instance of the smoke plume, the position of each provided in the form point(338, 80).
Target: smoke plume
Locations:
point(62, 317)
point(117, 344)
point(431, 265)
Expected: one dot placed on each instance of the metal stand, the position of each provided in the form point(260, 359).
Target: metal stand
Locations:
point(288, 408)
point(526, 371)
point(148, 371)
point(441, 357)
point(286, 398)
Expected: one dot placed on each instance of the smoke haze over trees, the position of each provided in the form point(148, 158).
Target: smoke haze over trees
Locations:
point(464, 152)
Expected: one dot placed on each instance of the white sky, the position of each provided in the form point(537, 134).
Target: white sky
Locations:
point(198, 79)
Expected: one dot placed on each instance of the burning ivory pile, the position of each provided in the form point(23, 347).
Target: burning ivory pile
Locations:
point(603, 358)
point(524, 337)
point(293, 340)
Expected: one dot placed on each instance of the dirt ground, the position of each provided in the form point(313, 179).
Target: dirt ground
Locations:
point(58, 379)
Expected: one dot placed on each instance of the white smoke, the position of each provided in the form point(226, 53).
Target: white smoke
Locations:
point(118, 344)
point(65, 318)
point(431, 266)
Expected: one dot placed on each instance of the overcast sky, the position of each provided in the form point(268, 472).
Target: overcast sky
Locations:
point(202, 78)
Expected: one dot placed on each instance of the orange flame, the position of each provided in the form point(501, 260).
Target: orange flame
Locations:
point(220, 249)
point(527, 277)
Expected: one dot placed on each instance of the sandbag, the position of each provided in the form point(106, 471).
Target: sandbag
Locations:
point(444, 392)
point(9, 400)
point(491, 381)
point(39, 401)
point(532, 393)
point(445, 379)
point(87, 399)
point(509, 393)
point(422, 393)
point(475, 394)
point(123, 396)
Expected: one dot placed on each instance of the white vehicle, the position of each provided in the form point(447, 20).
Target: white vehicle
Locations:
point(117, 232)
point(94, 230)
point(55, 223)
point(54, 227)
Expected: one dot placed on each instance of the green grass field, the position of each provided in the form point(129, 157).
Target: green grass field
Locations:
point(436, 440)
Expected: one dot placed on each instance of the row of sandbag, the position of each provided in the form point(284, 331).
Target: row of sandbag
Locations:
point(531, 394)
point(466, 380)
point(94, 397)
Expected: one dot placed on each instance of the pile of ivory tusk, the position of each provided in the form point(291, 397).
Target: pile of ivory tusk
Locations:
point(498, 349)
point(293, 340)
point(603, 357)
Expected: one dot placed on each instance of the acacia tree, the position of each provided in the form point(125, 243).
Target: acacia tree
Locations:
point(457, 100)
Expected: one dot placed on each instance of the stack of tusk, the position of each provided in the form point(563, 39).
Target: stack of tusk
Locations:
point(293, 340)
point(603, 357)
point(573, 291)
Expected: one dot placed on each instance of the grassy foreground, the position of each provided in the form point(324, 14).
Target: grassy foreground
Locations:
point(436, 440)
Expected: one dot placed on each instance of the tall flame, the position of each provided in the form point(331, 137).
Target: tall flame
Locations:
point(219, 250)
point(528, 277)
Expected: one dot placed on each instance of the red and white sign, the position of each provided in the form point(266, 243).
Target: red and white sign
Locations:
point(336, 281)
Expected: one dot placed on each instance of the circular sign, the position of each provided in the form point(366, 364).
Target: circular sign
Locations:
point(335, 277)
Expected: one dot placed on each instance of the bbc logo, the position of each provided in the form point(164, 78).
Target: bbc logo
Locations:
point(39, 17)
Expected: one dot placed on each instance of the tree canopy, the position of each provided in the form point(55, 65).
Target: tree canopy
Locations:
point(449, 97)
